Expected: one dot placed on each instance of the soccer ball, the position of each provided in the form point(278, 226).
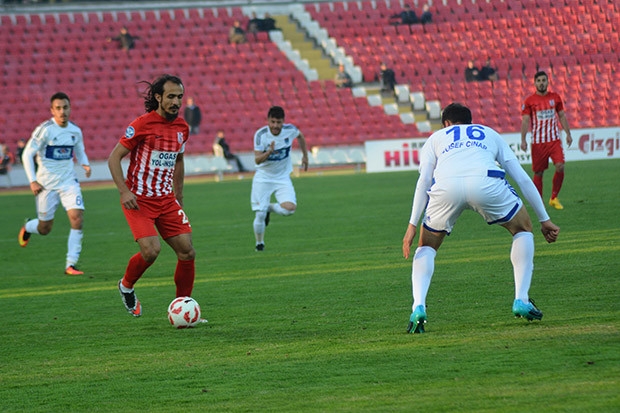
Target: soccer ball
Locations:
point(184, 312)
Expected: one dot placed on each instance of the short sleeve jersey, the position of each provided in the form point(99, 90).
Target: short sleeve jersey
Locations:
point(154, 143)
point(55, 147)
point(279, 164)
point(464, 150)
point(542, 111)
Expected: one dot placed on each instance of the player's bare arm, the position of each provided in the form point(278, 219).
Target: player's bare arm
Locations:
point(550, 231)
point(260, 157)
point(525, 126)
point(564, 123)
point(36, 188)
point(408, 240)
point(178, 178)
point(128, 198)
point(304, 150)
point(87, 170)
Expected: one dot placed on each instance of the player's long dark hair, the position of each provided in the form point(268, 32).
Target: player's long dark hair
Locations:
point(157, 88)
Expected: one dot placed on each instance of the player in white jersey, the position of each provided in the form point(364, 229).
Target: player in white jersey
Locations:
point(272, 153)
point(458, 171)
point(52, 146)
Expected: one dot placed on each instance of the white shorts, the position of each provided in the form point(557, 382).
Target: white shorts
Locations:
point(493, 198)
point(262, 191)
point(70, 196)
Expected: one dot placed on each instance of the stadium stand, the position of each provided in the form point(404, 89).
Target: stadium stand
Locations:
point(569, 39)
point(578, 44)
point(234, 85)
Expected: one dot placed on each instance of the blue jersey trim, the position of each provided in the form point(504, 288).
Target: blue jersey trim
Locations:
point(434, 230)
point(508, 217)
point(496, 174)
point(59, 152)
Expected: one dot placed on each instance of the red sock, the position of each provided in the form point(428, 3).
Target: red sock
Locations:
point(136, 267)
point(184, 278)
point(538, 182)
point(558, 178)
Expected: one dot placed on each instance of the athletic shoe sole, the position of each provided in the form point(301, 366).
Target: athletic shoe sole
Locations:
point(23, 237)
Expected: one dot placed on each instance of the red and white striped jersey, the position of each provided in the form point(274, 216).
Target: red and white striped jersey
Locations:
point(543, 116)
point(154, 143)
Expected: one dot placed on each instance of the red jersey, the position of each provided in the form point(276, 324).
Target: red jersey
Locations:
point(543, 119)
point(155, 144)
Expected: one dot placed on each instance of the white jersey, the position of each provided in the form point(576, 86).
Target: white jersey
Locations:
point(279, 165)
point(54, 147)
point(471, 150)
point(464, 150)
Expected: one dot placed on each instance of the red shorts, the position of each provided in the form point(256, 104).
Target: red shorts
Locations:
point(164, 213)
point(541, 152)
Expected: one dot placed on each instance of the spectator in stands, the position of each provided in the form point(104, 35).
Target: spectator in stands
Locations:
point(126, 40)
point(342, 78)
point(407, 16)
point(472, 74)
point(21, 144)
point(427, 16)
point(254, 24)
point(224, 150)
point(192, 116)
point(6, 158)
point(387, 78)
point(236, 35)
point(487, 72)
point(268, 24)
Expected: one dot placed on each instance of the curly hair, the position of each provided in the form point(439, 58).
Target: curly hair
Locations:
point(157, 88)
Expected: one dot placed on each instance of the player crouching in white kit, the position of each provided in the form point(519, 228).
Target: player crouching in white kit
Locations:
point(272, 154)
point(458, 171)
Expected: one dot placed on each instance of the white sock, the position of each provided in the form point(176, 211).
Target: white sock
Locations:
point(522, 257)
point(74, 246)
point(421, 274)
point(279, 210)
point(125, 289)
point(32, 226)
point(259, 227)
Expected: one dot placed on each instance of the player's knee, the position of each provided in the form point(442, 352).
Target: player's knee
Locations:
point(261, 215)
point(187, 255)
point(288, 208)
point(150, 253)
point(76, 223)
point(287, 212)
point(44, 228)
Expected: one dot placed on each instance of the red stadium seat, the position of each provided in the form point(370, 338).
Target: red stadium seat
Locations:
point(572, 53)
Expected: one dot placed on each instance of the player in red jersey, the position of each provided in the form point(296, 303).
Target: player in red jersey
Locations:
point(539, 110)
point(152, 194)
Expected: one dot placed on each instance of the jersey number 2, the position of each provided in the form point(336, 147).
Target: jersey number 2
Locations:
point(184, 219)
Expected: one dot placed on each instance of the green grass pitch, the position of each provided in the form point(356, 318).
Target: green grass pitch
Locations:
point(317, 321)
